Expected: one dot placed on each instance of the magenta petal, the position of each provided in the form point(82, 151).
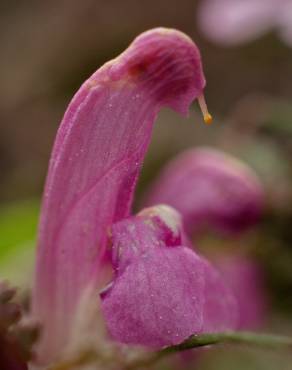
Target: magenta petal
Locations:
point(246, 280)
point(163, 292)
point(94, 167)
point(157, 300)
point(209, 187)
point(221, 306)
point(157, 296)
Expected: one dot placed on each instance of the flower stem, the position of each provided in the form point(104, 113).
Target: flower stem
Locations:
point(269, 341)
point(248, 338)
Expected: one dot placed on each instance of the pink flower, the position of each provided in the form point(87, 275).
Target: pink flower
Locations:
point(163, 292)
point(214, 190)
point(210, 188)
point(92, 175)
point(238, 21)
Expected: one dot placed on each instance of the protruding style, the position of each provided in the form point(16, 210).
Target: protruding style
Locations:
point(208, 119)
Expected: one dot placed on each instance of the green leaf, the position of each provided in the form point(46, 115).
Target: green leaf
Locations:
point(18, 225)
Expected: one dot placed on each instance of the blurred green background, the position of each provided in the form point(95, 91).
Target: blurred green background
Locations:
point(49, 48)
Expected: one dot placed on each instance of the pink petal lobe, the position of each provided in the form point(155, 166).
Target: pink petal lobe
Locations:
point(246, 280)
point(221, 306)
point(210, 188)
point(163, 292)
point(94, 166)
point(156, 298)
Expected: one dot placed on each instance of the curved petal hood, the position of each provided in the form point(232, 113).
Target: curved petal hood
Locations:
point(94, 166)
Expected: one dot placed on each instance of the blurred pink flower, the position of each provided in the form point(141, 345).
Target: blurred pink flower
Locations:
point(233, 22)
point(247, 282)
point(215, 190)
point(209, 188)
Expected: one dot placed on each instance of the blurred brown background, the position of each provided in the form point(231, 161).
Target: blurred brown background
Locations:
point(49, 48)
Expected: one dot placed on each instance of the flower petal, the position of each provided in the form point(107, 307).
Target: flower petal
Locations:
point(246, 280)
point(157, 296)
point(220, 311)
point(94, 167)
point(210, 187)
point(163, 292)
